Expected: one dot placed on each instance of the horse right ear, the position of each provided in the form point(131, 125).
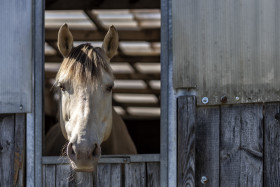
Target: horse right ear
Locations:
point(65, 40)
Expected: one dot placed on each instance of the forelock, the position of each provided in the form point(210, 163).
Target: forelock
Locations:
point(83, 64)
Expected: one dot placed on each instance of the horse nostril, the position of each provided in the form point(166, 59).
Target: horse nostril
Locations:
point(96, 151)
point(70, 152)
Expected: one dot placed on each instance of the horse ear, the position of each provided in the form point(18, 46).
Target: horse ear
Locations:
point(65, 40)
point(111, 42)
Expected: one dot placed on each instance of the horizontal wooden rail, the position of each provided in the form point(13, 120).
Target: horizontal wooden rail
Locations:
point(107, 159)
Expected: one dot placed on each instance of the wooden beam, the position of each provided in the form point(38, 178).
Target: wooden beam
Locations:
point(97, 22)
point(101, 4)
point(120, 76)
point(134, 104)
point(85, 34)
point(119, 58)
point(136, 91)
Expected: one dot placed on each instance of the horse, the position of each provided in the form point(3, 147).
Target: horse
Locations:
point(87, 119)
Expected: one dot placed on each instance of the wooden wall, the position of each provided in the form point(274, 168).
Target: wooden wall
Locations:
point(232, 145)
point(141, 174)
point(12, 149)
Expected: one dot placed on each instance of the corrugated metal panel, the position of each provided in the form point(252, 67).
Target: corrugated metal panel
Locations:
point(227, 48)
point(16, 56)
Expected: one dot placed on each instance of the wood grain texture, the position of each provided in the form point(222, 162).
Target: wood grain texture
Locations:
point(104, 175)
point(135, 175)
point(271, 145)
point(84, 179)
point(19, 152)
point(7, 129)
point(153, 174)
point(49, 176)
point(241, 157)
point(63, 175)
point(207, 145)
point(186, 141)
point(116, 175)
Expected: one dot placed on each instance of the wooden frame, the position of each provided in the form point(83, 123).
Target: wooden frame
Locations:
point(35, 119)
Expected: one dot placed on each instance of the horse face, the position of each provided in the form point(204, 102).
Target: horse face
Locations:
point(86, 109)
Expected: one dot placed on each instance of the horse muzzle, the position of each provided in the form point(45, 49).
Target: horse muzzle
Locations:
point(83, 158)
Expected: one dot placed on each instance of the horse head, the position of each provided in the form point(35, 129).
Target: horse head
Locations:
point(85, 83)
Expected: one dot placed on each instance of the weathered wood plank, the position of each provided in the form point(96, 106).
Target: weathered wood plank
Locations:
point(135, 175)
point(104, 175)
point(19, 154)
point(84, 179)
point(241, 157)
point(7, 129)
point(271, 145)
point(49, 176)
point(153, 175)
point(116, 175)
point(207, 145)
point(186, 141)
point(63, 175)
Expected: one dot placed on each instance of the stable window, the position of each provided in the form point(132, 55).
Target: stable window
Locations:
point(135, 97)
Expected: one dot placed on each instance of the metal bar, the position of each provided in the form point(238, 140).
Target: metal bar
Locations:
point(38, 54)
point(107, 159)
point(168, 102)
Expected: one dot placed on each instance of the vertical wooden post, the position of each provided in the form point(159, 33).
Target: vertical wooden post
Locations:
point(271, 144)
point(186, 141)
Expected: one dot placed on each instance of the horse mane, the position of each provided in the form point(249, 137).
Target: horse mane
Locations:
point(84, 64)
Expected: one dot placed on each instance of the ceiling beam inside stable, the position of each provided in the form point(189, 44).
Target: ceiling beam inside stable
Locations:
point(118, 58)
point(85, 34)
point(121, 76)
point(101, 4)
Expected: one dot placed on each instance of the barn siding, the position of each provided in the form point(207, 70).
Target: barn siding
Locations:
point(227, 47)
point(235, 145)
point(271, 145)
point(12, 149)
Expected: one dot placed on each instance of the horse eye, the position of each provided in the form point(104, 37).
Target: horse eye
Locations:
point(109, 88)
point(62, 87)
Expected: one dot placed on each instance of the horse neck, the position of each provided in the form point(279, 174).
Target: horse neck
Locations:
point(119, 141)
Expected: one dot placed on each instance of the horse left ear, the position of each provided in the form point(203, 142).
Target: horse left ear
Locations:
point(111, 42)
point(65, 40)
